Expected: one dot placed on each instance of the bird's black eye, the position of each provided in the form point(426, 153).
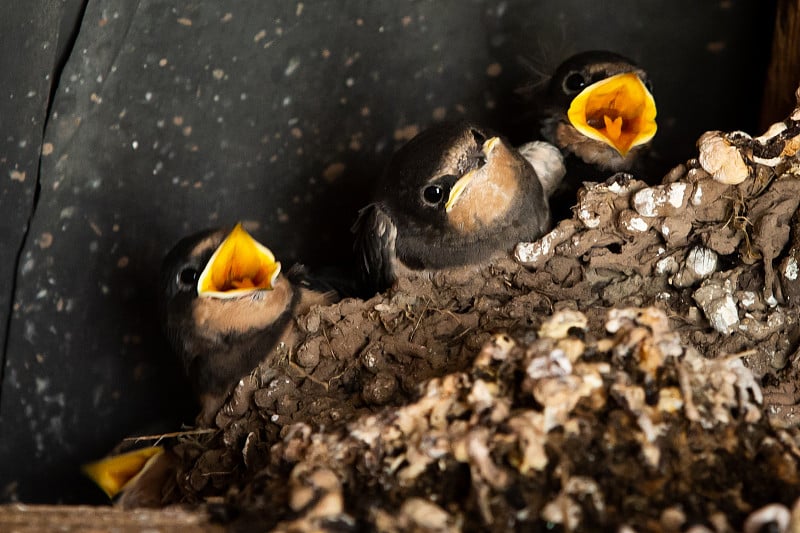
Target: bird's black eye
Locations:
point(432, 194)
point(188, 276)
point(574, 82)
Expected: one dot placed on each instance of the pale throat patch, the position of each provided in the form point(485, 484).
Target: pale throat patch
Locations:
point(592, 151)
point(487, 199)
point(218, 316)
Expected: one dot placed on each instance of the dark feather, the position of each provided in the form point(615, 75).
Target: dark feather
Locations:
point(375, 236)
point(329, 283)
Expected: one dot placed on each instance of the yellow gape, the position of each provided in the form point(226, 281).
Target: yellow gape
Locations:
point(114, 474)
point(618, 111)
point(240, 265)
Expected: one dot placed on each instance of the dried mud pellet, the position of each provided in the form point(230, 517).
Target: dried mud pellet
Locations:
point(372, 360)
point(249, 452)
point(572, 348)
point(380, 389)
point(534, 254)
point(661, 200)
point(778, 360)
point(675, 230)
point(590, 218)
point(666, 265)
point(425, 515)
point(632, 223)
point(307, 356)
point(748, 300)
point(266, 397)
point(559, 324)
point(482, 395)
point(554, 365)
point(596, 201)
point(706, 191)
point(312, 322)
point(696, 173)
point(789, 271)
point(700, 263)
point(262, 399)
point(718, 305)
point(670, 400)
point(675, 174)
point(234, 431)
point(759, 329)
point(286, 405)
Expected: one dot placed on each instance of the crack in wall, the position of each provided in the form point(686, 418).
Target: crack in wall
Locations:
point(61, 57)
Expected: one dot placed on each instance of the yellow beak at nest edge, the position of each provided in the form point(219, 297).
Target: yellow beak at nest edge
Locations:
point(618, 111)
point(240, 265)
point(114, 474)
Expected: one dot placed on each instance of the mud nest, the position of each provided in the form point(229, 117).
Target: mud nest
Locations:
point(636, 367)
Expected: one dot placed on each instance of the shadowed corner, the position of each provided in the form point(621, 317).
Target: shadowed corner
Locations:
point(161, 387)
point(320, 236)
point(156, 396)
point(783, 71)
point(143, 387)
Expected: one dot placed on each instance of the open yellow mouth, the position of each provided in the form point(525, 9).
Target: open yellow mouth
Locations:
point(240, 265)
point(618, 111)
point(113, 474)
point(461, 185)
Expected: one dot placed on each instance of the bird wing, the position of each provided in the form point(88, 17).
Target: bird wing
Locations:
point(329, 285)
point(375, 236)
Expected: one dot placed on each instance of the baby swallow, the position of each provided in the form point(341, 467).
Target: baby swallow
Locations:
point(138, 478)
point(225, 305)
point(599, 111)
point(598, 107)
point(454, 195)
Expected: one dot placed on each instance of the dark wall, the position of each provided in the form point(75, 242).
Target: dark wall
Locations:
point(170, 117)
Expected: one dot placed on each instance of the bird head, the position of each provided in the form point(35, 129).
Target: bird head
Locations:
point(216, 283)
point(454, 177)
point(457, 187)
point(604, 97)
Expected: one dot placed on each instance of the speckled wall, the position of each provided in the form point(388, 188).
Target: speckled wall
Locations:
point(169, 117)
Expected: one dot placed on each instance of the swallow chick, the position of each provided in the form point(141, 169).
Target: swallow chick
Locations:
point(454, 195)
point(138, 478)
point(599, 108)
point(225, 306)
